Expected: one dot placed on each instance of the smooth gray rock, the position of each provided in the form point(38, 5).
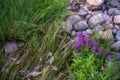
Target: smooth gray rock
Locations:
point(117, 35)
point(83, 10)
point(117, 57)
point(11, 47)
point(116, 46)
point(114, 11)
point(89, 31)
point(74, 33)
point(114, 31)
point(80, 26)
point(95, 20)
point(74, 19)
point(114, 3)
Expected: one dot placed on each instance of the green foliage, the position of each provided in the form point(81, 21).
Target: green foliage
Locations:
point(88, 66)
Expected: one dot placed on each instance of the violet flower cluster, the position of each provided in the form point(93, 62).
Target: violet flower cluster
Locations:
point(86, 41)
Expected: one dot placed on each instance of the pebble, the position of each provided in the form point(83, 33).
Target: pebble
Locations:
point(114, 3)
point(74, 33)
point(114, 11)
point(116, 46)
point(117, 19)
point(117, 35)
point(95, 20)
point(117, 57)
point(74, 19)
point(114, 31)
point(94, 4)
point(80, 26)
point(11, 47)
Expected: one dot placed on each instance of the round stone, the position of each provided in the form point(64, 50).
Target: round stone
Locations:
point(107, 26)
point(93, 4)
point(80, 26)
point(95, 20)
point(114, 11)
point(11, 47)
point(116, 46)
point(117, 19)
point(118, 35)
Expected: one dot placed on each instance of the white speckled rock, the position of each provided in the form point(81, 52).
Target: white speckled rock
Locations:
point(11, 47)
point(93, 4)
point(95, 20)
point(117, 19)
point(80, 26)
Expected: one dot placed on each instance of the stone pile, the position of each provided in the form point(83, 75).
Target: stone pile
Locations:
point(101, 16)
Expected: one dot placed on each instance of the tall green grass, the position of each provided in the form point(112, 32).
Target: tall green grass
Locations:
point(37, 24)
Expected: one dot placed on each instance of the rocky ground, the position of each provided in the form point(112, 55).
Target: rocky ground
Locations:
point(96, 16)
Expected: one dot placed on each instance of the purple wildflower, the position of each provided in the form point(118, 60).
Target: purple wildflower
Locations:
point(77, 47)
point(110, 57)
point(100, 51)
point(88, 41)
point(95, 45)
point(80, 38)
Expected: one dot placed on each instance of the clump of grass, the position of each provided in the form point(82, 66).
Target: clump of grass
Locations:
point(36, 23)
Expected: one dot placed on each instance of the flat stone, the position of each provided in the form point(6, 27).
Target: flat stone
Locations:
point(83, 10)
point(94, 4)
point(114, 3)
point(11, 47)
point(114, 31)
point(80, 26)
point(74, 33)
point(95, 20)
point(106, 35)
point(114, 11)
point(117, 19)
point(117, 27)
point(116, 46)
point(117, 35)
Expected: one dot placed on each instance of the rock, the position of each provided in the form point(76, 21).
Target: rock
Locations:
point(106, 16)
point(68, 26)
point(83, 11)
point(80, 26)
point(95, 20)
point(74, 33)
point(117, 27)
point(117, 57)
point(106, 35)
point(88, 16)
point(11, 47)
point(114, 31)
point(107, 26)
point(94, 4)
point(74, 19)
point(116, 46)
point(117, 35)
point(117, 19)
point(114, 11)
point(89, 31)
point(100, 28)
point(114, 3)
